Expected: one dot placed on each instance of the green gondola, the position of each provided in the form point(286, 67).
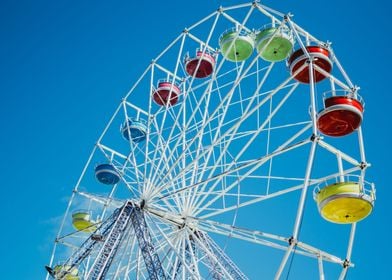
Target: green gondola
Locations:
point(236, 46)
point(274, 44)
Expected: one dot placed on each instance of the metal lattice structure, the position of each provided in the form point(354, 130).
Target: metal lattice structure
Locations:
point(108, 238)
point(237, 153)
point(220, 260)
point(151, 259)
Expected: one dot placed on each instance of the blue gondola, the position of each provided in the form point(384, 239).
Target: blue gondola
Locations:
point(137, 128)
point(107, 174)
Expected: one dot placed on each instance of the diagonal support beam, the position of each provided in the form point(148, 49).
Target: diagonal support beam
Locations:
point(151, 258)
point(230, 267)
point(111, 244)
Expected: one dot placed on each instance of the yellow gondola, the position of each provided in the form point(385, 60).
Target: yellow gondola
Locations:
point(72, 274)
point(344, 203)
point(81, 220)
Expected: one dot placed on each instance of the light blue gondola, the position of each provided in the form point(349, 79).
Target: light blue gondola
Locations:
point(107, 174)
point(135, 129)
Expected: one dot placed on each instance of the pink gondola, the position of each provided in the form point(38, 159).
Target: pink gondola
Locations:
point(166, 93)
point(200, 66)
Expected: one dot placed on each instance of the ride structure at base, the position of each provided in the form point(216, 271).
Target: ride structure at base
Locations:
point(126, 219)
point(201, 65)
point(345, 202)
point(318, 55)
point(342, 114)
point(274, 43)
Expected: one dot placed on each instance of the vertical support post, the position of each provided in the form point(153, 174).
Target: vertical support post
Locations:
point(340, 166)
point(309, 167)
point(321, 268)
point(346, 263)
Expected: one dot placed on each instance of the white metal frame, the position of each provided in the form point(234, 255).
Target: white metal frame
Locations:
point(196, 169)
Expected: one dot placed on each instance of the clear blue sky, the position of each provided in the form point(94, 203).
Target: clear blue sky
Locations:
point(65, 65)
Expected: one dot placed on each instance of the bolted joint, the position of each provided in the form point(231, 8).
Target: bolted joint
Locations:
point(315, 138)
point(363, 165)
point(326, 45)
point(292, 240)
point(310, 59)
point(346, 263)
point(97, 237)
point(142, 203)
point(355, 89)
point(287, 17)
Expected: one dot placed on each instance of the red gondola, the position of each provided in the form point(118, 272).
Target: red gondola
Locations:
point(166, 93)
point(341, 116)
point(320, 58)
point(200, 66)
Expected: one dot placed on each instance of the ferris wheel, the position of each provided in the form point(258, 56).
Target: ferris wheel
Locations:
point(237, 154)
